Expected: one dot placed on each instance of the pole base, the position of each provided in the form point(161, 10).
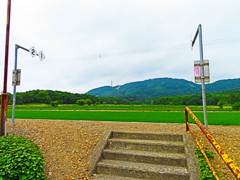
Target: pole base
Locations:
point(4, 105)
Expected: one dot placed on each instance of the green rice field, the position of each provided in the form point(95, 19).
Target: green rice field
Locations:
point(125, 113)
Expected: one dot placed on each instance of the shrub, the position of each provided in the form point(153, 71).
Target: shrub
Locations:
point(220, 104)
point(20, 159)
point(80, 102)
point(97, 103)
point(54, 103)
point(88, 101)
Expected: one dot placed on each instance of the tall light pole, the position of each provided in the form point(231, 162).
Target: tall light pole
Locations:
point(199, 35)
point(4, 103)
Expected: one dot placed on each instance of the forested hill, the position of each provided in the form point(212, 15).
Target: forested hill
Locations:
point(163, 87)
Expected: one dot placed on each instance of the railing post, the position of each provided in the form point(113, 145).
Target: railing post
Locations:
point(186, 118)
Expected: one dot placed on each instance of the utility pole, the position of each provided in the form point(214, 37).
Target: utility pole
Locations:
point(199, 34)
point(16, 75)
point(4, 102)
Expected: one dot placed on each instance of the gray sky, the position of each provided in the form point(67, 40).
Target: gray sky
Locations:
point(89, 43)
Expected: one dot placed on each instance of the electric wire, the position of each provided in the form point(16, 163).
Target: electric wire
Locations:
point(142, 51)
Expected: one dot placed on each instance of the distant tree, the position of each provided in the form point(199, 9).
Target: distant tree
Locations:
point(93, 98)
point(47, 100)
point(88, 101)
point(137, 102)
point(115, 102)
point(97, 103)
point(54, 103)
point(80, 102)
point(28, 97)
point(236, 106)
point(41, 97)
point(220, 104)
point(105, 99)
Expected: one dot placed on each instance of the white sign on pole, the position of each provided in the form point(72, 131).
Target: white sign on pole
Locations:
point(197, 71)
point(16, 77)
point(33, 51)
point(41, 55)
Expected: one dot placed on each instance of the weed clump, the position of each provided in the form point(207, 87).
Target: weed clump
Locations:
point(205, 172)
point(20, 159)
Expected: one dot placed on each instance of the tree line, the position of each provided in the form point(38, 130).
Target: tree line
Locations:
point(59, 97)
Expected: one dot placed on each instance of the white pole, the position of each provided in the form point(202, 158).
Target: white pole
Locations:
point(202, 77)
point(14, 87)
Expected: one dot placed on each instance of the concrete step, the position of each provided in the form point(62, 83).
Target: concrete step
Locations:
point(146, 145)
point(147, 136)
point(171, 159)
point(111, 177)
point(141, 155)
point(142, 170)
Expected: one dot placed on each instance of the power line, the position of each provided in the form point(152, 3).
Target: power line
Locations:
point(143, 51)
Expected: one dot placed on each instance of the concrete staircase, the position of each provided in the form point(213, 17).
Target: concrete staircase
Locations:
point(141, 155)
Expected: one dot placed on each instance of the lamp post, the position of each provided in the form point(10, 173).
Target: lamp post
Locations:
point(4, 103)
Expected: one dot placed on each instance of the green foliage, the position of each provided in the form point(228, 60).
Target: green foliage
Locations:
point(161, 87)
point(143, 90)
point(205, 172)
point(137, 102)
point(88, 101)
point(220, 104)
point(164, 91)
point(20, 159)
point(97, 103)
point(236, 106)
point(46, 96)
point(54, 103)
point(80, 102)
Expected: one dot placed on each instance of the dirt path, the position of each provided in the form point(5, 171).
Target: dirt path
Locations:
point(67, 145)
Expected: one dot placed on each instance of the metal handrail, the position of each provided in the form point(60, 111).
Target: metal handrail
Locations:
point(229, 162)
point(204, 155)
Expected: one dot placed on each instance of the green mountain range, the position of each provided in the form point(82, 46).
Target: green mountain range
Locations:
point(163, 87)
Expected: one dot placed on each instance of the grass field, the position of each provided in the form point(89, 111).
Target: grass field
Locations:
point(124, 113)
point(102, 107)
point(117, 107)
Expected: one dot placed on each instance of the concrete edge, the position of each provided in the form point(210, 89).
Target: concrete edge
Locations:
point(192, 161)
point(149, 132)
point(97, 152)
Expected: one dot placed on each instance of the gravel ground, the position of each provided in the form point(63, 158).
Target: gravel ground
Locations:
point(67, 145)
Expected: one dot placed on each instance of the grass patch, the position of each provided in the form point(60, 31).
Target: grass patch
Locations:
point(220, 118)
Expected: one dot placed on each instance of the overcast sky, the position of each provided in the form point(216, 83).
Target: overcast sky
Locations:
point(90, 43)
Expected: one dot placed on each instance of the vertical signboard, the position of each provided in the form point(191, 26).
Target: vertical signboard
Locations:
point(16, 77)
point(197, 71)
